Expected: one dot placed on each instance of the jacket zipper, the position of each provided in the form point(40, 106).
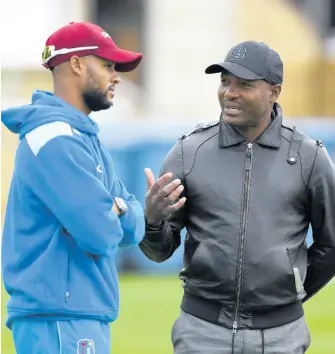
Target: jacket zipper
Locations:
point(246, 190)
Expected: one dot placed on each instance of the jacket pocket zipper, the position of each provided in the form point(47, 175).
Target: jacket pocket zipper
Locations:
point(299, 286)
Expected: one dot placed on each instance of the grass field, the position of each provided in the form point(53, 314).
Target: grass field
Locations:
point(149, 305)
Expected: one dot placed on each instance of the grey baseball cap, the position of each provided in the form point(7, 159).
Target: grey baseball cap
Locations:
point(251, 60)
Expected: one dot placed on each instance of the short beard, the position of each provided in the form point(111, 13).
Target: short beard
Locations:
point(96, 100)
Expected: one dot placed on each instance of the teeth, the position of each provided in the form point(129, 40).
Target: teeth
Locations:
point(234, 109)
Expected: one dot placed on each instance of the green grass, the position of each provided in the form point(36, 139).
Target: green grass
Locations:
point(149, 305)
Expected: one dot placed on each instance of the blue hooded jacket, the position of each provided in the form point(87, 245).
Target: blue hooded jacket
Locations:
point(60, 234)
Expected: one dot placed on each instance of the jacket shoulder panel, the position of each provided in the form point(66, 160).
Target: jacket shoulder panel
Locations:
point(192, 141)
point(41, 135)
point(200, 127)
point(302, 149)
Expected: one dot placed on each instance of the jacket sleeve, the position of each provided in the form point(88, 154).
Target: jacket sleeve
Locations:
point(133, 223)
point(321, 254)
point(159, 245)
point(63, 175)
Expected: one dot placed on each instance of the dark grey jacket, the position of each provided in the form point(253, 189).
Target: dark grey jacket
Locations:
point(247, 214)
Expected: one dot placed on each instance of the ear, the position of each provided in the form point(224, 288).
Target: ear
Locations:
point(77, 65)
point(275, 91)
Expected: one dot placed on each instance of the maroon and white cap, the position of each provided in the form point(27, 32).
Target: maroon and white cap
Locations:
point(84, 38)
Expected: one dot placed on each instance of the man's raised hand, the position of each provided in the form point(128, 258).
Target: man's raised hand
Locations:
point(162, 197)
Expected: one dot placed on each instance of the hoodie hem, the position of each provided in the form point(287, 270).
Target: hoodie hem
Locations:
point(15, 314)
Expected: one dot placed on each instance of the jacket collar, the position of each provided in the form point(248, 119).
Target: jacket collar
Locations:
point(271, 137)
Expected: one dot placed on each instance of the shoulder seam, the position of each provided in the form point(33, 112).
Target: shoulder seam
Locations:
point(199, 127)
point(312, 169)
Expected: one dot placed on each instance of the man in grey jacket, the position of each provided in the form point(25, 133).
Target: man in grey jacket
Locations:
point(246, 188)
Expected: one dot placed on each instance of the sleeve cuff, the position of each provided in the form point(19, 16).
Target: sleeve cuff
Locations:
point(153, 227)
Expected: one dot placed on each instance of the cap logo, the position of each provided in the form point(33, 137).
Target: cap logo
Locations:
point(239, 53)
point(105, 34)
point(50, 51)
point(47, 52)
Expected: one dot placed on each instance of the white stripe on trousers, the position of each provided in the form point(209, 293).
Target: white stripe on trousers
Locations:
point(60, 338)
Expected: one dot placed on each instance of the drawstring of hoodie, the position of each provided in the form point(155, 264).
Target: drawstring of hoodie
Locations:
point(233, 342)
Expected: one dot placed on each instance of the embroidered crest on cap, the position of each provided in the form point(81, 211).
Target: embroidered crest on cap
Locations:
point(48, 52)
point(239, 53)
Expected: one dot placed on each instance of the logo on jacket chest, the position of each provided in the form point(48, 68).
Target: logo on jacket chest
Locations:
point(99, 169)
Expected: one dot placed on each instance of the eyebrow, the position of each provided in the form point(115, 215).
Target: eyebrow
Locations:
point(240, 79)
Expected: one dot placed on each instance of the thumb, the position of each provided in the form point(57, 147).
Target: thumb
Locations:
point(150, 178)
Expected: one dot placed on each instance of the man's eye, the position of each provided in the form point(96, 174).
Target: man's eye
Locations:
point(246, 84)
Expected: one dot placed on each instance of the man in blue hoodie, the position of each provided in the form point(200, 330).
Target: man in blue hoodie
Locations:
point(67, 211)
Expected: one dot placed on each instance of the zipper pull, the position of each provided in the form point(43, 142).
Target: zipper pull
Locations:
point(249, 149)
point(234, 327)
point(67, 295)
point(248, 154)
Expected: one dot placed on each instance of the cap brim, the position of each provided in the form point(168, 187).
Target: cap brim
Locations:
point(125, 60)
point(235, 69)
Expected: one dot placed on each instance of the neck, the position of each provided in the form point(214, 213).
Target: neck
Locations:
point(72, 97)
point(250, 134)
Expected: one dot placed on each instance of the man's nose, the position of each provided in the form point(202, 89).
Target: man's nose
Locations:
point(116, 79)
point(231, 91)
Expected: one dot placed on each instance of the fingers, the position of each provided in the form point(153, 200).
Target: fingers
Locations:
point(171, 197)
point(178, 205)
point(167, 190)
point(155, 188)
point(162, 197)
point(150, 178)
